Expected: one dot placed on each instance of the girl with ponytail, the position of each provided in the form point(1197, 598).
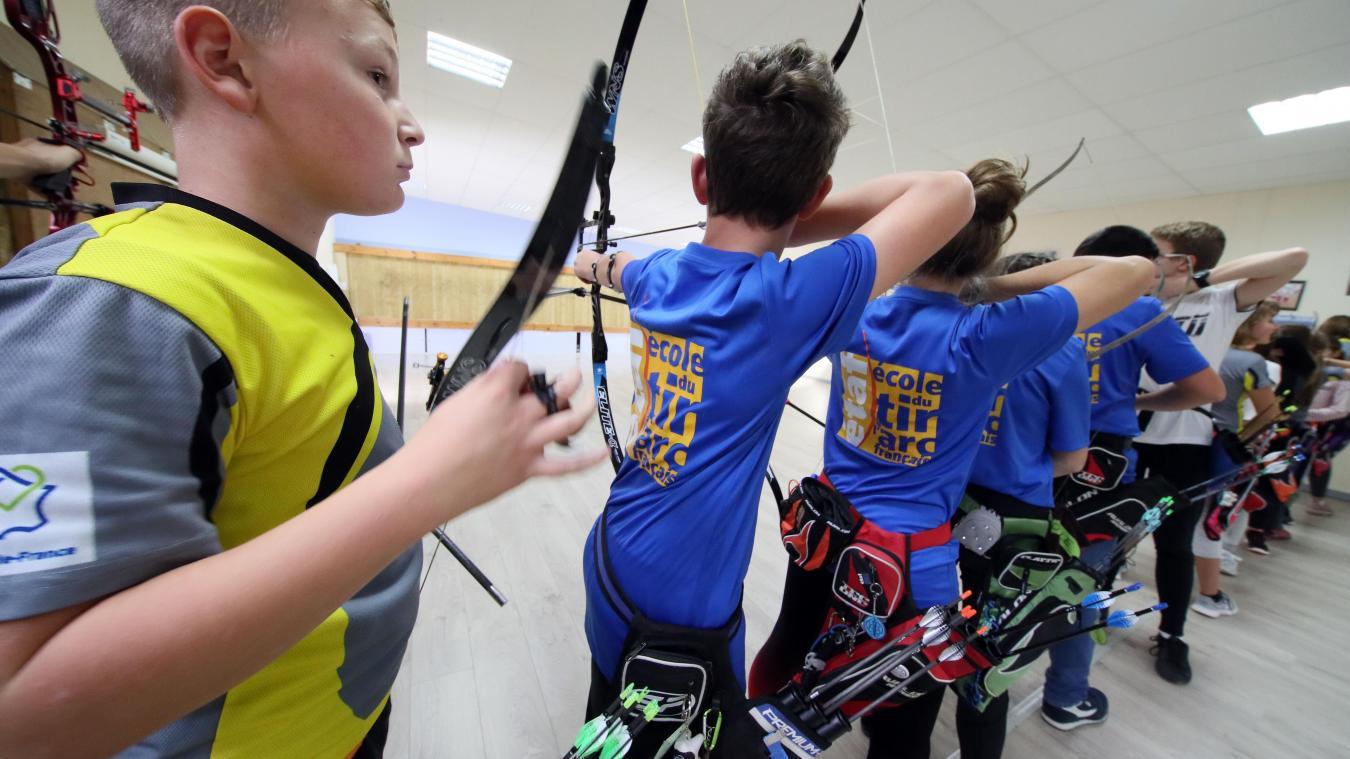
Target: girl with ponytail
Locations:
point(910, 396)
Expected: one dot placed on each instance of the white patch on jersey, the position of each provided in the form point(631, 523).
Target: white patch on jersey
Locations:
point(46, 512)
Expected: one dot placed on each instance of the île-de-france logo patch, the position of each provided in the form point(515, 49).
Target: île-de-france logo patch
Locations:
point(46, 511)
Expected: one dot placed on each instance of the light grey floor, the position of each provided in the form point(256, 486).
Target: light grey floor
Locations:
point(510, 683)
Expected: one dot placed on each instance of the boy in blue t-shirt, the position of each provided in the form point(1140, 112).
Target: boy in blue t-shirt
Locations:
point(721, 330)
point(1162, 348)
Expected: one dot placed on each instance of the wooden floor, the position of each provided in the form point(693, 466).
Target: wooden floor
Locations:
point(510, 683)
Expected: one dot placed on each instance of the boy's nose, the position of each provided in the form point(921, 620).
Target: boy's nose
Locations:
point(410, 131)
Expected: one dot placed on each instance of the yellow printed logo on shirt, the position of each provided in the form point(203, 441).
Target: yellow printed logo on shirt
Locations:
point(668, 382)
point(989, 436)
point(1093, 342)
point(890, 411)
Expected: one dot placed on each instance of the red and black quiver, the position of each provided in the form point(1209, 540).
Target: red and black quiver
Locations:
point(1103, 471)
point(865, 572)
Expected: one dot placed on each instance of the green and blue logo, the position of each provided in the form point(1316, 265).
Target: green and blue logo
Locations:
point(23, 490)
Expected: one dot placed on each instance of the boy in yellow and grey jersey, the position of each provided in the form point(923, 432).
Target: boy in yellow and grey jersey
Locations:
point(208, 531)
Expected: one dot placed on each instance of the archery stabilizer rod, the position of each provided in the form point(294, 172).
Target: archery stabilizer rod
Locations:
point(468, 565)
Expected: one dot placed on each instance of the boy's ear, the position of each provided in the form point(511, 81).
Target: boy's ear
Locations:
point(813, 204)
point(698, 176)
point(211, 53)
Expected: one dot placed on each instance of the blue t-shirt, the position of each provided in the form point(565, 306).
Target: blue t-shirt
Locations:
point(1043, 411)
point(718, 338)
point(910, 395)
point(1163, 349)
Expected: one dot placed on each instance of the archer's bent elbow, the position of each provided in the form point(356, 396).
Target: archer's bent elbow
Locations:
point(958, 191)
point(1137, 271)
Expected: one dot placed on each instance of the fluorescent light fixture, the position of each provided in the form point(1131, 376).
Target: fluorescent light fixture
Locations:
point(694, 146)
point(518, 207)
point(1302, 112)
point(466, 60)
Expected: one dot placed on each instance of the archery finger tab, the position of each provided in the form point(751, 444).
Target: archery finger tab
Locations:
point(543, 390)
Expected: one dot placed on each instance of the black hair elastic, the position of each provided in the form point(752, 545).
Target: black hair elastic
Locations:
point(595, 277)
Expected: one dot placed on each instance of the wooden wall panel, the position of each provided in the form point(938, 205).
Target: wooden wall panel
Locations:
point(450, 291)
point(21, 226)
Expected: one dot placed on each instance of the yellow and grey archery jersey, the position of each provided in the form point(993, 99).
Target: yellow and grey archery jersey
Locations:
point(176, 381)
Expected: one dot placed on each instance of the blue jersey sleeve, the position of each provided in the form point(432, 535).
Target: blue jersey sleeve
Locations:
point(820, 298)
point(1071, 402)
point(631, 278)
point(1011, 337)
point(1168, 354)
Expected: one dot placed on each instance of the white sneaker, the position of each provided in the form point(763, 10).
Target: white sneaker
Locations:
point(1223, 606)
point(1228, 564)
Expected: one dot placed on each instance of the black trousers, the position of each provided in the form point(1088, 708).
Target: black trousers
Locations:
point(906, 732)
point(1181, 465)
point(1317, 483)
point(373, 746)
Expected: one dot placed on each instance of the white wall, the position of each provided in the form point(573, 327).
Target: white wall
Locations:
point(1316, 217)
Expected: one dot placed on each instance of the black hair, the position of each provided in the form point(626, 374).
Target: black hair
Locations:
point(1118, 241)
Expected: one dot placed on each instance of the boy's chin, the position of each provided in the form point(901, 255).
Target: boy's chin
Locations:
point(375, 205)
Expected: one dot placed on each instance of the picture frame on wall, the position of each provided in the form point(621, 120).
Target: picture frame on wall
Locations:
point(1289, 296)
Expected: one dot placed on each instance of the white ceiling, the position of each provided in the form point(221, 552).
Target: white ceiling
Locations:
point(1158, 87)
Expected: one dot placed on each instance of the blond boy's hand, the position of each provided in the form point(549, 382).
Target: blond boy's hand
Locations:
point(491, 436)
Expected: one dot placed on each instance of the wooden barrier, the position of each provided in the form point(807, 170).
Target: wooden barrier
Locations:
point(451, 291)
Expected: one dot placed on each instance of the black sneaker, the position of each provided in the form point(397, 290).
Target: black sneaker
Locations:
point(1174, 660)
point(1256, 543)
point(1091, 712)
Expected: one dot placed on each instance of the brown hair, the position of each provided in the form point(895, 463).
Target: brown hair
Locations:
point(999, 187)
point(1298, 333)
point(1335, 328)
point(1317, 345)
point(773, 124)
point(1015, 262)
point(1265, 310)
point(1194, 238)
point(142, 33)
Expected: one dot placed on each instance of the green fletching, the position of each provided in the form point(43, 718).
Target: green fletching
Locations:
point(617, 744)
point(586, 736)
point(650, 711)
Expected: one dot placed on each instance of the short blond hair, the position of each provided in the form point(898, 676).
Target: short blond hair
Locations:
point(141, 32)
point(1194, 238)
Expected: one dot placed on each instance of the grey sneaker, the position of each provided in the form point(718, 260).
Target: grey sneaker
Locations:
point(1228, 564)
point(1223, 606)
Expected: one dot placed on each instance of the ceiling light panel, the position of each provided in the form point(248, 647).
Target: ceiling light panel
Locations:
point(449, 54)
point(1302, 112)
